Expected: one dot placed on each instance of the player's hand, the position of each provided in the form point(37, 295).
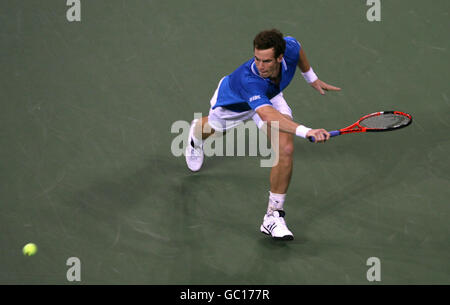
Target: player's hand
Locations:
point(321, 86)
point(320, 135)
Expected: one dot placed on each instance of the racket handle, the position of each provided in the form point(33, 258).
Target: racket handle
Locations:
point(332, 134)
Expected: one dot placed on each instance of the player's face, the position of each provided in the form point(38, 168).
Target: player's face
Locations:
point(267, 64)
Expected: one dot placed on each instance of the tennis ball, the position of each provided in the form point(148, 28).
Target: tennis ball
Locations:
point(29, 249)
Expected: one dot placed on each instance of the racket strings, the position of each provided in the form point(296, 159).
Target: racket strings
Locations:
point(385, 121)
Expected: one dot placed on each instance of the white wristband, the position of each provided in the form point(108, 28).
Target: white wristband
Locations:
point(310, 76)
point(301, 131)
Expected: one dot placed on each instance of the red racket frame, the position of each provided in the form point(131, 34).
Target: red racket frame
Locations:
point(358, 128)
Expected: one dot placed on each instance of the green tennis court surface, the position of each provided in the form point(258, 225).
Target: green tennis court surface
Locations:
point(87, 171)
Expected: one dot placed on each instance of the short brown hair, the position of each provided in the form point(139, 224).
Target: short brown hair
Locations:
point(270, 39)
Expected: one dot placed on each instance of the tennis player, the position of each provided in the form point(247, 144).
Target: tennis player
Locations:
point(254, 91)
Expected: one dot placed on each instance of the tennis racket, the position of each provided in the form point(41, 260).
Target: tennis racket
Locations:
point(378, 121)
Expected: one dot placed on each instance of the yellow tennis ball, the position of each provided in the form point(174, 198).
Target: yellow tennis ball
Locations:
point(29, 249)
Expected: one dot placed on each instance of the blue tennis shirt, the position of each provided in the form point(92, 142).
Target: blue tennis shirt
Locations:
point(245, 89)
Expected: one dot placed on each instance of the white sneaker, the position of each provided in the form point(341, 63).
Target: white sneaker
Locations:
point(193, 154)
point(275, 226)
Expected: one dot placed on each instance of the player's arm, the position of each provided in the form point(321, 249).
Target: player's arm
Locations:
point(311, 77)
point(270, 114)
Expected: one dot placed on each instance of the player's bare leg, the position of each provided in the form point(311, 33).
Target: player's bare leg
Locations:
point(204, 128)
point(280, 174)
point(280, 177)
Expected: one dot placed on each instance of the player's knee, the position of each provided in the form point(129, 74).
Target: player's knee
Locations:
point(287, 150)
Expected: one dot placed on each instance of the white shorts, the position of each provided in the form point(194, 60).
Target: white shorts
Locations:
point(222, 119)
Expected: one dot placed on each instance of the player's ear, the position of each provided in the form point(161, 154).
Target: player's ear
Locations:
point(280, 58)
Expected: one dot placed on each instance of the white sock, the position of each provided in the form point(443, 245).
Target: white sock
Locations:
point(276, 202)
point(196, 141)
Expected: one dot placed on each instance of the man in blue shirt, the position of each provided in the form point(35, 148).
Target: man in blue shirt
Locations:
point(254, 91)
